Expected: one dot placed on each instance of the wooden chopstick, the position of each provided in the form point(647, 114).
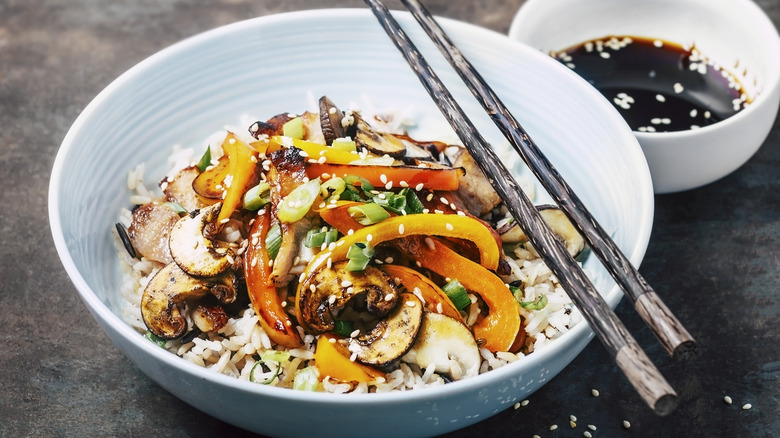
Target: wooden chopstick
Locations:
point(669, 331)
point(629, 356)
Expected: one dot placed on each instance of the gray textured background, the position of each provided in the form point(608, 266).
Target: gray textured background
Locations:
point(713, 255)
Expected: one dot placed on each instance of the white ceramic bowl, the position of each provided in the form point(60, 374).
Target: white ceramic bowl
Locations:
point(730, 32)
point(261, 67)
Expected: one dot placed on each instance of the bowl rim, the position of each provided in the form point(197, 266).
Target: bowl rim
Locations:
point(96, 305)
point(768, 30)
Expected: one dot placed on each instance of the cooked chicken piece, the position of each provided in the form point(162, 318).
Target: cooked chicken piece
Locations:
point(475, 189)
point(179, 189)
point(149, 231)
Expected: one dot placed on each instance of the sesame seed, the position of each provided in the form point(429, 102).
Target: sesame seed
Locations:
point(587, 434)
point(727, 399)
point(746, 406)
point(383, 178)
point(572, 424)
point(517, 405)
point(594, 392)
point(591, 427)
point(660, 97)
point(572, 418)
point(419, 187)
point(694, 112)
point(346, 283)
point(354, 333)
point(403, 184)
point(321, 160)
point(658, 43)
point(524, 403)
point(389, 260)
point(401, 229)
point(449, 226)
point(389, 297)
point(369, 237)
point(678, 88)
point(331, 299)
point(554, 427)
point(429, 197)
point(626, 424)
point(332, 340)
point(410, 303)
point(313, 288)
point(389, 185)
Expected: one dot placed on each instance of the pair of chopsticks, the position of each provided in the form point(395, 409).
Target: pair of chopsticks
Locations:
point(630, 358)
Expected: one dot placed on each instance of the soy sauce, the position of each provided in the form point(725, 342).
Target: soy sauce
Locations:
point(657, 86)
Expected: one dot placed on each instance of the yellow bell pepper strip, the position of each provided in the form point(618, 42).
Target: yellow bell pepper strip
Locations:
point(316, 151)
point(431, 293)
point(500, 327)
point(261, 289)
point(332, 359)
point(208, 183)
point(403, 226)
point(434, 178)
point(242, 163)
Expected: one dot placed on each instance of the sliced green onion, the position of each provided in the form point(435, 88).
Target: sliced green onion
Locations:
point(275, 356)
point(317, 238)
point(344, 144)
point(367, 214)
point(205, 160)
point(269, 380)
point(359, 254)
point(293, 128)
point(332, 188)
point(413, 203)
point(258, 196)
point(273, 241)
point(354, 180)
point(307, 379)
point(343, 327)
point(297, 203)
point(351, 193)
point(394, 202)
point(517, 293)
point(538, 304)
point(175, 206)
point(158, 341)
point(457, 293)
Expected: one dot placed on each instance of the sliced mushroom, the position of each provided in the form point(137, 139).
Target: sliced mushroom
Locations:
point(558, 222)
point(149, 230)
point(208, 315)
point(475, 189)
point(166, 290)
point(376, 142)
point(179, 189)
point(447, 344)
point(332, 288)
point(330, 120)
point(191, 248)
point(392, 337)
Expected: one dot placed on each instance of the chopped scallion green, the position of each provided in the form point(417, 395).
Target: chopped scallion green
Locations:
point(332, 188)
point(344, 144)
point(158, 341)
point(262, 364)
point(413, 203)
point(394, 202)
point(343, 327)
point(359, 254)
point(175, 206)
point(367, 214)
point(457, 293)
point(275, 356)
point(317, 238)
point(273, 241)
point(205, 160)
point(297, 203)
point(293, 128)
point(258, 196)
point(538, 304)
point(307, 379)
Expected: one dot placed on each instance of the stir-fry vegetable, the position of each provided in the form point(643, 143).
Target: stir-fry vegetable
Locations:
point(354, 250)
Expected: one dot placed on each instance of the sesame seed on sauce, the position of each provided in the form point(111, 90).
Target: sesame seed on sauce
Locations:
point(655, 79)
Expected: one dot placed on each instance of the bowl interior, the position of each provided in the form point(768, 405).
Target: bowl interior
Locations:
point(258, 68)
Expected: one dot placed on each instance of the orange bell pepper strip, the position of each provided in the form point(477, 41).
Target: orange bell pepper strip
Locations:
point(500, 327)
point(432, 294)
point(337, 215)
point(241, 168)
point(261, 289)
point(434, 178)
point(332, 359)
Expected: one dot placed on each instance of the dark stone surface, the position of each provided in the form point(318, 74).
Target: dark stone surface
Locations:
point(713, 256)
